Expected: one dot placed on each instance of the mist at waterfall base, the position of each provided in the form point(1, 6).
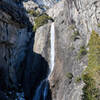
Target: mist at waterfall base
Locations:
point(43, 88)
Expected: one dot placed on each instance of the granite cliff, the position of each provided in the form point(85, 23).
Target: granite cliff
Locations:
point(25, 35)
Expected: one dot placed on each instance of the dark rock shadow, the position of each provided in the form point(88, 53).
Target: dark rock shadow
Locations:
point(3, 79)
point(18, 19)
point(34, 68)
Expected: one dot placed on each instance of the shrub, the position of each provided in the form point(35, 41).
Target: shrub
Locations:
point(69, 75)
point(34, 13)
point(75, 32)
point(82, 52)
point(41, 20)
point(75, 35)
point(90, 92)
point(78, 80)
point(91, 75)
point(94, 50)
point(99, 25)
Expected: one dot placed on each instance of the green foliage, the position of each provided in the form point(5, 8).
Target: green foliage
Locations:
point(72, 27)
point(41, 20)
point(82, 52)
point(75, 35)
point(69, 75)
point(90, 92)
point(75, 32)
point(91, 76)
point(99, 25)
point(34, 13)
point(78, 80)
point(94, 50)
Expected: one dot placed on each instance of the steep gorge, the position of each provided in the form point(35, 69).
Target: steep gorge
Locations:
point(43, 89)
point(27, 54)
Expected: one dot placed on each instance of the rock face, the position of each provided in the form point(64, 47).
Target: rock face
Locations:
point(15, 35)
point(85, 18)
point(74, 16)
point(36, 69)
point(22, 66)
point(30, 5)
point(43, 47)
point(56, 9)
point(47, 3)
point(25, 59)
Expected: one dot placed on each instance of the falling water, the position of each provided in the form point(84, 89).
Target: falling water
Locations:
point(52, 52)
point(42, 90)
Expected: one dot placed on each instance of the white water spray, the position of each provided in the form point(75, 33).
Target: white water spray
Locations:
point(44, 85)
point(52, 52)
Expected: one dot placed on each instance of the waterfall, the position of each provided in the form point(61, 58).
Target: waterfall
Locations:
point(52, 52)
point(42, 89)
